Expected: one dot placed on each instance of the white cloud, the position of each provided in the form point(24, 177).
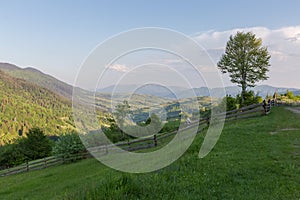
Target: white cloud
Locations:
point(283, 45)
point(172, 61)
point(119, 68)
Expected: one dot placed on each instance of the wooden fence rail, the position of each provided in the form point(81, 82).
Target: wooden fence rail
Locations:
point(138, 144)
point(44, 163)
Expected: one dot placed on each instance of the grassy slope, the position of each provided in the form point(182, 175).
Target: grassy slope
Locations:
point(247, 163)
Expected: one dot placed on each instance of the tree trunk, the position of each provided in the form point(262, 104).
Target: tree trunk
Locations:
point(243, 93)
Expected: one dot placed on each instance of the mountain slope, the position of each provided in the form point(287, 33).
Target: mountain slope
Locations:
point(24, 105)
point(37, 77)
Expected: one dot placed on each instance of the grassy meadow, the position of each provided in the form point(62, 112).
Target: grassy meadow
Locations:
point(257, 158)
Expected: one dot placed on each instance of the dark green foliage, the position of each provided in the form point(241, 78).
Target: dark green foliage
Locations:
point(68, 144)
point(11, 155)
point(249, 99)
point(36, 145)
point(235, 103)
point(115, 134)
point(230, 102)
point(246, 60)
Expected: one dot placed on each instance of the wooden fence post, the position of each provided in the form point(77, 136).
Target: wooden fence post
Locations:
point(27, 166)
point(45, 163)
point(128, 143)
point(106, 149)
point(273, 103)
point(155, 140)
point(207, 121)
point(264, 105)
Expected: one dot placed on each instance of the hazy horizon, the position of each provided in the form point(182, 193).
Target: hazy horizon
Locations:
point(57, 37)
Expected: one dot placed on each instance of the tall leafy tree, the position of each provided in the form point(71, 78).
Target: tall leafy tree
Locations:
point(245, 60)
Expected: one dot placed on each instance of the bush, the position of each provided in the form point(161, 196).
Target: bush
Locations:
point(36, 145)
point(11, 155)
point(250, 98)
point(289, 94)
point(230, 103)
point(67, 145)
point(115, 134)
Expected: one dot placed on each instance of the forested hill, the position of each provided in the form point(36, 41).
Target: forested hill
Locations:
point(24, 105)
point(37, 77)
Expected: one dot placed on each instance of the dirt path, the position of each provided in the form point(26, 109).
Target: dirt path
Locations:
point(284, 129)
point(294, 109)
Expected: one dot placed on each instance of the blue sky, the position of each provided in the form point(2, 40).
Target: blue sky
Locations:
point(56, 36)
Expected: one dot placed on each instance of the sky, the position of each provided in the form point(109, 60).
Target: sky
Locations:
point(57, 36)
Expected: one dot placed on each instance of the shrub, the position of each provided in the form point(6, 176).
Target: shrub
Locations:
point(230, 103)
point(36, 145)
point(67, 145)
point(289, 94)
point(11, 155)
point(250, 98)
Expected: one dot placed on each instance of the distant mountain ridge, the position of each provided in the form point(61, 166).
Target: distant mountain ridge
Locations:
point(59, 87)
point(35, 76)
point(159, 91)
point(150, 89)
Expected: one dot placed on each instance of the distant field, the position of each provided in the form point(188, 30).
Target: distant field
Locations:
point(256, 158)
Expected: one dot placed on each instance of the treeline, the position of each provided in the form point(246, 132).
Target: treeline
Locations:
point(115, 134)
point(37, 145)
point(233, 103)
point(288, 96)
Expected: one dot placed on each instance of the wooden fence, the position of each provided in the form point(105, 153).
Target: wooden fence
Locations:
point(44, 163)
point(141, 143)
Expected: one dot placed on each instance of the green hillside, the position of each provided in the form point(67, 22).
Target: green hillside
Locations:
point(254, 158)
point(24, 105)
point(37, 77)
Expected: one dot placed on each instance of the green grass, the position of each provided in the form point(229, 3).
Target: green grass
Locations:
point(248, 162)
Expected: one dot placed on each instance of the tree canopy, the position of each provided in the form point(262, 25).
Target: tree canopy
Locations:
point(245, 60)
point(36, 145)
